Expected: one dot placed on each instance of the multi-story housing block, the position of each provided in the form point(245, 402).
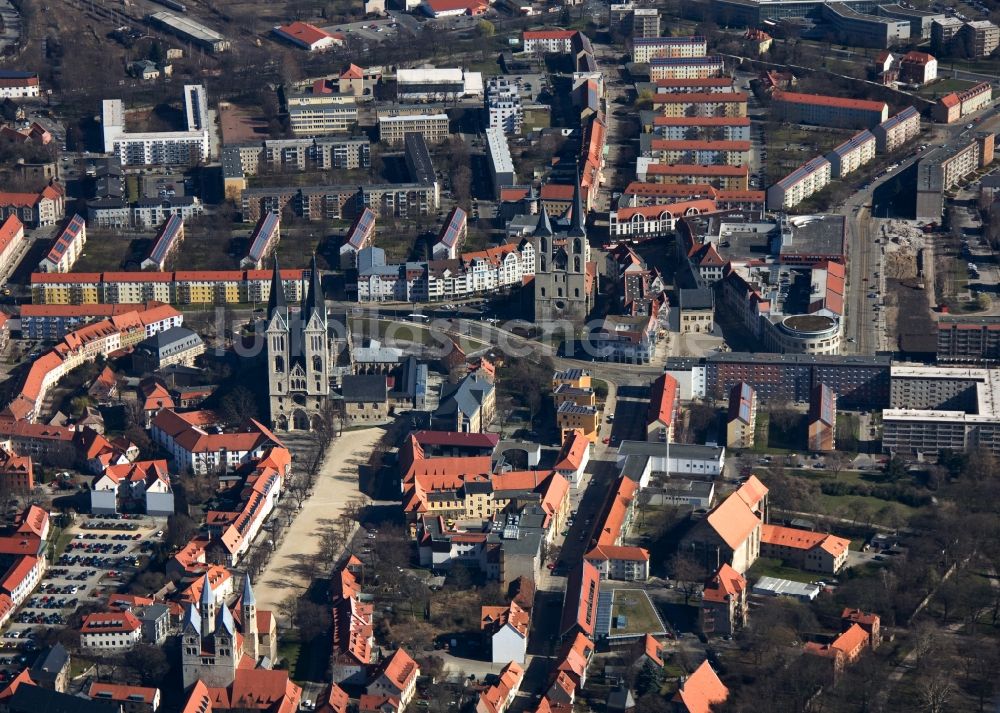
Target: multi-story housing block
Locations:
point(685, 67)
point(809, 178)
point(897, 130)
point(825, 110)
point(645, 49)
point(852, 154)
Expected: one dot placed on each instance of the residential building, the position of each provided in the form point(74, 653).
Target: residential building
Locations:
point(503, 105)
point(757, 40)
point(579, 612)
point(722, 177)
point(952, 107)
point(844, 650)
point(396, 677)
point(897, 130)
point(12, 242)
point(645, 22)
point(501, 164)
point(629, 564)
point(143, 486)
point(825, 110)
point(360, 235)
point(572, 460)
point(645, 49)
point(170, 147)
point(190, 444)
point(586, 419)
point(918, 68)
point(26, 698)
point(35, 210)
point(804, 549)
point(466, 407)
point(394, 124)
point(694, 103)
point(942, 168)
point(685, 67)
point(663, 404)
point(809, 178)
point(730, 153)
point(453, 8)
point(677, 128)
point(741, 420)
point(19, 85)
point(981, 37)
point(149, 212)
point(498, 697)
point(961, 338)
point(263, 240)
point(943, 31)
point(110, 632)
point(168, 239)
point(822, 419)
point(66, 249)
point(133, 699)
point(724, 603)
point(505, 629)
point(852, 154)
point(452, 235)
point(547, 41)
point(177, 345)
point(700, 691)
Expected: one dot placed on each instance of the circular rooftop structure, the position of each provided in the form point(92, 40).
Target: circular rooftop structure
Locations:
point(808, 324)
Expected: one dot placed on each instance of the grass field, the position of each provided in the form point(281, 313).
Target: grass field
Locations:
point(635, 606)
point(945, 86)
point(765, 567)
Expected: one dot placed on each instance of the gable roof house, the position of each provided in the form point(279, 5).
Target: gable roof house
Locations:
point(729, 534)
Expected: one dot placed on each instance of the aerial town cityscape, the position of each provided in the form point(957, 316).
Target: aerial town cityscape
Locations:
point(499, 356)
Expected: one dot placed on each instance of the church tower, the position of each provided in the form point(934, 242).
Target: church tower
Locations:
point(562, 287)
point(206, 607)
point(251, 638)
point(316, 341)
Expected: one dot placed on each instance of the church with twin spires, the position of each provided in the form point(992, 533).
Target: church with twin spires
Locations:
point(216, 639)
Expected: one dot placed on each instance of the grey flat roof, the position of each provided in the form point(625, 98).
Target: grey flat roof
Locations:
point(806, 359)
point(677, 450)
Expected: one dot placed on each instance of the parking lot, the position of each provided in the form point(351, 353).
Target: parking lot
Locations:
point(104, 552)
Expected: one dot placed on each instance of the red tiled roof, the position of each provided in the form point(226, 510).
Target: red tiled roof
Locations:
point(119, 692)
point(802, 539)
point(733, 521)
point(725, 583)
point(828, 101)
point(701, 690)
point(303, 32)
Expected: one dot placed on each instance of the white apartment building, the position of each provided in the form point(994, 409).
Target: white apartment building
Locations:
point(166, 147)
point(897, 130)
point(110, 632)
point(685, 67)
point(18, 85)
point(798, 185)
point(501, 164)
point(548, 41)
point(852, 154)
point(645, 49)
point(503, 105)
point(393, 127)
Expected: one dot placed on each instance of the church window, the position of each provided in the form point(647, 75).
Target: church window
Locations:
point(576, 263)
point(543, 245)
point(279, 365)
point(576, 292)
point(577, 245)
point(543, 263)
point(560, 292)
point(543, 292)
point(317, 364)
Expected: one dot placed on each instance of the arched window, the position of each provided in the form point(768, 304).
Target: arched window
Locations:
point(543, 245)
point(543, 263)
point(279, 365)
point(317, 363)
point(576, 263)
point(577, 246)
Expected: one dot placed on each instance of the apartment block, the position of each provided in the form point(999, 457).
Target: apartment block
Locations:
point(645, 22)
point(503, 105)
point(724, 177)
point(852, 154)
point(548, 41)
point(980, 36)
point(645, 49)
point(942, 168)
point(67, 247)
point(825, 110)
point(728, 104)
point(685, 67)
point(952, 107)
point(394, 125)
point(822, 419)
point(741, 420)
point(722, 128)
point(168, 147)
point(809, 178)
point(897, 130)
point(968, 338)
point(730, 153)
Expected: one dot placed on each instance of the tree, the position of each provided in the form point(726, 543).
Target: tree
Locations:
point(238, 405)
point(149, 663)
point(935, 690)
point(180, 530)
point(688, 574)
point(836, 462)
point(486, 28)
point(649, 679)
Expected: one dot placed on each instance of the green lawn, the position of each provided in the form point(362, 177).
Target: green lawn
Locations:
point(862, 507)
point(946, 86)
point(635, 606)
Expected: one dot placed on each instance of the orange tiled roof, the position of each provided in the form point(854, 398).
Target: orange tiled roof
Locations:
point(803, 539)
point(400, 669)
point(702, 690)
point(725, 583)
point(733, 521)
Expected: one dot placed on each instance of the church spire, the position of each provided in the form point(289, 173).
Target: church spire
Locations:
point(544, 226)
point(248, 597)
point(577, 226)
point(315, 301)
point(276, 301)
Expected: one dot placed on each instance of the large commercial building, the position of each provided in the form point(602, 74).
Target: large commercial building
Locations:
point(395, 124)
point(437, 84)
point(921, 21)
point(164, 147)
point(942, 168)
point(852, 154)
point(809, 178)
point(897, 130)
point(645, 49)
point(825, 110)
point(864, 30)
point(187, 29)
